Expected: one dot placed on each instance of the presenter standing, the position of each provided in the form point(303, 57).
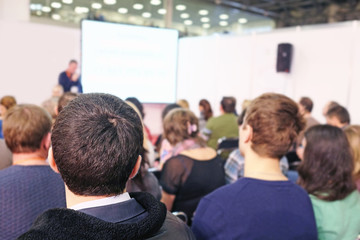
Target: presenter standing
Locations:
point(70, 80)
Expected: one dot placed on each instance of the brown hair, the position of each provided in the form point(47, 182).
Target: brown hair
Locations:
point(276, 122)
point(183, 103)
point(176, 126)
point(207, 108)
point(65, 99)
point(228, 104)
point(25, 126)
point(307, 103)
point(326, 171)
point(353, 135)
point(8, 101)
point(339, 112)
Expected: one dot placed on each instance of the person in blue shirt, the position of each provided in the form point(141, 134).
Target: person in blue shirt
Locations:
point(263, 204)
point(70, 80)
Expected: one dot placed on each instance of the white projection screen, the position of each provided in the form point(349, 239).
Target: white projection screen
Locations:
point(129, 61)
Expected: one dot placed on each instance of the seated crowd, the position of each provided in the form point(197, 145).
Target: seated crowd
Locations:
point(85, 166)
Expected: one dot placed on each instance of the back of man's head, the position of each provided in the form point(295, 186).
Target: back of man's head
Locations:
point(65, 99)
point(24, 128)
point(340, 113)
point(228, 104)
point(96, 142)
point(276, 122)
point(307, 103)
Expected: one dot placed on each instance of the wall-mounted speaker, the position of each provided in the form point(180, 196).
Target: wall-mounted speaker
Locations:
point(284, 55)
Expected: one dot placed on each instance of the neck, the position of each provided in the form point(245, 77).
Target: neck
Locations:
point(263, 168)
point(35, 158)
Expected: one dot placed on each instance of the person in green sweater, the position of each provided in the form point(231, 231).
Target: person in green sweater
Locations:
point(326, 173)
point(224, 125)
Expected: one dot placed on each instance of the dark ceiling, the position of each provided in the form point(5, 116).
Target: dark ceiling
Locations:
point(299, 12)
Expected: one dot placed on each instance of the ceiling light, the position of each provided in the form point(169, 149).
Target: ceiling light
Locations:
point(188, 22)
point(243, 20)
point(204, 19)
point(180, 7)
point(81, 10)
point(96, 5)
point(35, 7)
point(223, 23)
point(146, 14)
point(155, 2)
point(162, 11)
point(56, 5)
point(46, 9)
point(123, 10)
point(109, 2)
point(184, 15)
point(206, 25)
point(224, 16)
point(203, 12)
point(67, 1)
point(56, 16)
point(138, 6)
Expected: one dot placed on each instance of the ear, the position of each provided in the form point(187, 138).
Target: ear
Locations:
point(56, 110)
point(52, 161)
point(136, 168)
point(46, 141)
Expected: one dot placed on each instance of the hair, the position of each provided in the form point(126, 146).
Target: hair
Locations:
point(307, 103)
point(137, 104)
point(65, 99)
point(183, 103)
point(331, 104)
point(340, 113)
point(24, 128)
point(353, 135)
point(326, 171)
point(96, 140)
point(168, 108)
point(181, 124)
point(241, 117)
point(8, 102)
point(276, 123)
point(73, 61)
point(208, 113)
point(245, 104)
point(228, 104)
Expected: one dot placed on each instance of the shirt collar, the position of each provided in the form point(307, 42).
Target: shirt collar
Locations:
point(102, 202)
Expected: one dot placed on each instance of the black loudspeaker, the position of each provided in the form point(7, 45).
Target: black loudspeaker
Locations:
point(284, 55)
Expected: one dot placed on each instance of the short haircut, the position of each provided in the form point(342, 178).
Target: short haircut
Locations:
point(228, 104)
point(8, 102)
point(307, 103)
point(327, 169)
point(241, 117)
point(73, 61)
point(176, 126)
point(276, 123)
point(25, 126)
point(96, 140)
point(65, 99)
point(340, 113)
point(168, 108)
point(137, 104)
point(353, 135)
point(207, 108)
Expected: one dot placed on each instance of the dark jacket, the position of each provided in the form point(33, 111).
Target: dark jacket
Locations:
point(142, 217)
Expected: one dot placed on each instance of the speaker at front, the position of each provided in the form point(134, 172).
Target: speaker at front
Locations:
point(284, 55)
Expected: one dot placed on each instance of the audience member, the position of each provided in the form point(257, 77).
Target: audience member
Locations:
point(70, 80)
point(50, 104)
point(305, 108)
point(5, 155)
point(183, 103)
point(194, 171)
point(64, 101)
point(328, 106)
point(224, 125)
point(205, 113)
point(326, 174)
point(338, 116)
point(353, 135)
point(6, 103)
point(29, 187)
point(245, 104)
point(96, 143)
point(263, 204)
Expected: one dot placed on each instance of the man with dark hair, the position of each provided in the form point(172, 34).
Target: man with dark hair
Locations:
point(28, 187)
point(96, 143)
point(263, 204)
point(338, 116)
point(224, 125)
point(70, 80)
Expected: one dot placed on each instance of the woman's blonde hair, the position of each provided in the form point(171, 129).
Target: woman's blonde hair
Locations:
point(353, 134)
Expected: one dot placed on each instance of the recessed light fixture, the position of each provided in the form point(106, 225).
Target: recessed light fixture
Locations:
point(242, 20)
point(67, 1)
point(109, 2)
point(224, 16)
point(56, 16)
point(35, 7)
point(206, 25)
point(138, 6)
point(122, 10)
point(81, 10)
point(180, 7)
point(96, 5)
point(46, 9)
point(155, 2)
point(188, 22)
point(56, 5)
point(184, 15)
point(162, 11)
point(223, 23)
point(203, 12)
point(204, 19)
point(146, 14)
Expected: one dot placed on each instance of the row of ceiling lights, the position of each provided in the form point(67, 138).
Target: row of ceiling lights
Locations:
point(137, 6)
